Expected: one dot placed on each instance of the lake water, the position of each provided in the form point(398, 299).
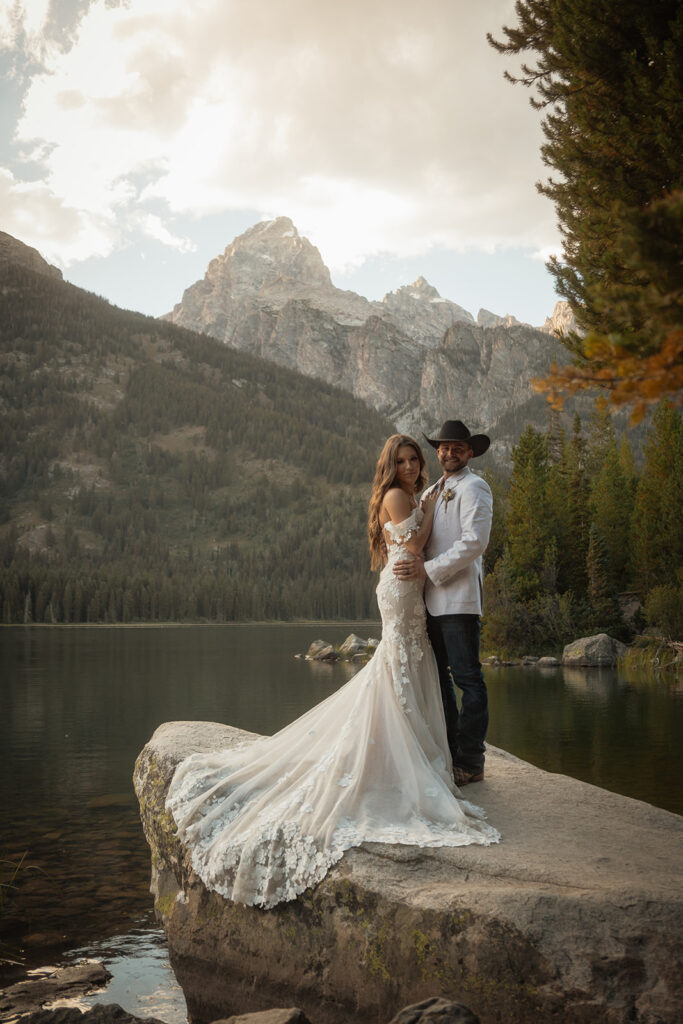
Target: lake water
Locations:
point(79, 703)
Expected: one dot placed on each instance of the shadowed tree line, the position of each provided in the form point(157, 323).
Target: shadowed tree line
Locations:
point(580, 534)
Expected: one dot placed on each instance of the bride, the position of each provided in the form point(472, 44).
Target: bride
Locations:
point(267, 819)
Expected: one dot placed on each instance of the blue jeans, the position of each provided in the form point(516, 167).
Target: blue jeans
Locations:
point(455, 640)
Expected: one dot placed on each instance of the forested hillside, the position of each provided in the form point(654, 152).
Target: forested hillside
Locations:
point(150, 473)
point(584, 540)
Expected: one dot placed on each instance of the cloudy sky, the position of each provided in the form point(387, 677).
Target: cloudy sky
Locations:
point(138, 138)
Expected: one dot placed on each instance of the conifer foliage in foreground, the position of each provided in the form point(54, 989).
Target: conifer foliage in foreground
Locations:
point(608, 76)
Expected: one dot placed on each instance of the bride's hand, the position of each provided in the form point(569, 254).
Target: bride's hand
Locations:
point(428, 503)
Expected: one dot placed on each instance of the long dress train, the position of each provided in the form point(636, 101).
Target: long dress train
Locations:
point(267, 819)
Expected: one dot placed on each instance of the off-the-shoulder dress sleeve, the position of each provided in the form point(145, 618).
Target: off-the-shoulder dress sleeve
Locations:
point(399, 533)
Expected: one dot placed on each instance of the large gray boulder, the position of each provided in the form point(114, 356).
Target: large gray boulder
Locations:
point(599, 651)
point(577, 915)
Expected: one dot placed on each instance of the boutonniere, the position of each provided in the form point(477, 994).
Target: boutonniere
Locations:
point(446, 497)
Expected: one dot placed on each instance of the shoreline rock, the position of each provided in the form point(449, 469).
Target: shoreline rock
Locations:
point(47, 984)
point(100, 1013)
point(354, 648)
point(599, 651)
point(434, 1010)
point(576, 915)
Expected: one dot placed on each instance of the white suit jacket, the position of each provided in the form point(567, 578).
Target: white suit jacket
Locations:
point(453, 553)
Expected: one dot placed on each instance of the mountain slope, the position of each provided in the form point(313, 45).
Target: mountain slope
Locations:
point(147, 472)
point(415, 357)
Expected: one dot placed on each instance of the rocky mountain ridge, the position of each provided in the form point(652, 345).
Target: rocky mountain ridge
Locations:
point(561, 322)
point(415, 357)
point(14, 252)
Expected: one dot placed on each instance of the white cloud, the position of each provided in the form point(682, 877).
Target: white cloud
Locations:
point(377, 126)
point(22, 24)
point(152, 226)
point(32, 212)
point(545, 253)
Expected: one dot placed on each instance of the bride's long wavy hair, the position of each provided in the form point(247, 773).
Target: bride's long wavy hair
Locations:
point(385, 477)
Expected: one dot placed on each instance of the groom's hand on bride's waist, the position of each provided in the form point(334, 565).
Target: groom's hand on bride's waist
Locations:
point(410, 569)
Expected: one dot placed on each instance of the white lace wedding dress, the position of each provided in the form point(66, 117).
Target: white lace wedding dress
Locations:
point(267, 819)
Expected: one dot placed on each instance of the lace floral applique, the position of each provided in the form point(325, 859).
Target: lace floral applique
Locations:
point(264, 822)
point(403, 531)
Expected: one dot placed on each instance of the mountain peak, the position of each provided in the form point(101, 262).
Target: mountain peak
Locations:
point(419, 291)
point(420, 311)
point(265, 268)
point(485, 318)
point(270, 258)
point(280, 227)
point(423, 286)
point(562, 320)
point(14, 251)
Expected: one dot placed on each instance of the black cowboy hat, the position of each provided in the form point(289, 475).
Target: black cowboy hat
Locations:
point(454, 430)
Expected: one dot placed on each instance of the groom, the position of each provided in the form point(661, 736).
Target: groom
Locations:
point(453, 576)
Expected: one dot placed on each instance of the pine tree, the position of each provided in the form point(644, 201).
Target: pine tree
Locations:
point(599, 441)
point(608, 76)
point(497, 538)
point(555, 438)
point(575, 545)
point(612, 500)
point(601, 592)
point(527, 520)
point(657, 535)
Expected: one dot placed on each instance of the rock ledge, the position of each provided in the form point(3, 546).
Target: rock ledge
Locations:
point(576, 916)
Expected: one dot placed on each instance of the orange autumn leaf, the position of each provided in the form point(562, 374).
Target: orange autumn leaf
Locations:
point(627, 378)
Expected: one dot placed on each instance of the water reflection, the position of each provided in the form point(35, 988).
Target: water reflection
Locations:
point(593, 724)
point(80, 703)
point(599, 683)
point(142, 980)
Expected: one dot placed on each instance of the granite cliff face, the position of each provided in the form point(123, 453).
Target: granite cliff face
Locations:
point(562, 321)
point(415, 357)
point(419, 311)
point(266, 268)
point(485, 318)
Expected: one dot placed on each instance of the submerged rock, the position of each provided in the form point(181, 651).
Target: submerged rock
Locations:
point(101, 1013)
point(435, 1011)
point(576, 915)
point(596, 651)
point(48, 984)
point(292, 1016)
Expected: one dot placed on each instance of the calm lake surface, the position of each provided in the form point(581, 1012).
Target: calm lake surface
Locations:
point(79, 703)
